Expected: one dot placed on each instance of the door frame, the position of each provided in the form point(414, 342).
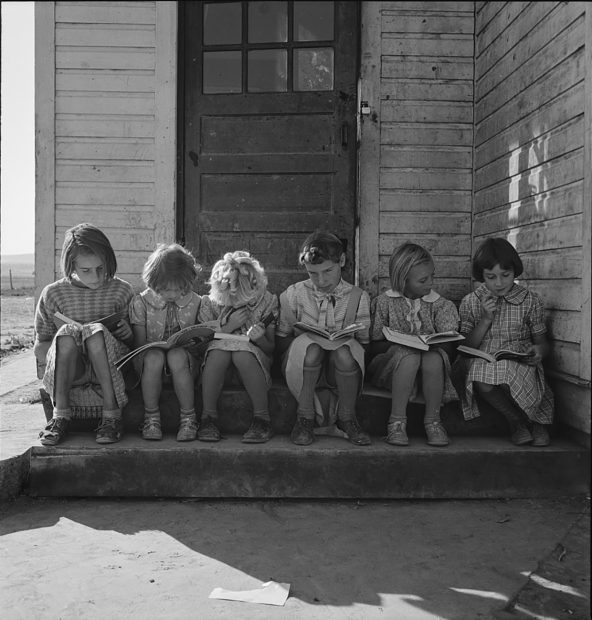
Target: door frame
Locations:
point(357, 252)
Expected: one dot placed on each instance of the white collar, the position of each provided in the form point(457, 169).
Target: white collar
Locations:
point(431, 297)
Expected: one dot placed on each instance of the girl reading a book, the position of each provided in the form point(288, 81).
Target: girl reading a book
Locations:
point(411, 306)
point(79, 355)
point(166, 306)
point(239, 305)
point(314, 365)
point(502, 314)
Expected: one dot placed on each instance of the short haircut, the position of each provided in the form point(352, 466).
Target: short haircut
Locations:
point(319, 247)
point(496, 251)
point(86, 239)
point(170, 264)
point(402, 260)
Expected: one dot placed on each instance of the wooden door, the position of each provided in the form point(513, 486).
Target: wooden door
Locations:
point(267, 129)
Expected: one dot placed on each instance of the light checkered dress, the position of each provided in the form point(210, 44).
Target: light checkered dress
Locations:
point(519, 316)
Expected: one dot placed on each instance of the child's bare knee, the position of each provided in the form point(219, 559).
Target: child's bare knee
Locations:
point(95, 343)
point(177, 359)
point(343, 359)
point(66, 347)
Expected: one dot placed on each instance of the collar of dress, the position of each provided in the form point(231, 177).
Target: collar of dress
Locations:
point(515, 295)
point(156, 301)
point(431, 297)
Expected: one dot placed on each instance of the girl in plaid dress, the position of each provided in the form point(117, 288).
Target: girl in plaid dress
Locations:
point(83, 354)
point(166, 306)
point(239, 303)
point(310, 361)
point(412, 307)
point(501, 314)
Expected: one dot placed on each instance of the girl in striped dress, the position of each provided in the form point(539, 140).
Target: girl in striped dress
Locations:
point(502, 314)
point(82, 353)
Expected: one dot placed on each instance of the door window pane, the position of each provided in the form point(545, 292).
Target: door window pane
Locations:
point(222, 23)
point(268, 22)
point(313, 21)
point(268, 71)
point(222, 72)
point(313, 69)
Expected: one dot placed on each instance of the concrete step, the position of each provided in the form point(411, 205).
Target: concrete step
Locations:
point(470, 467)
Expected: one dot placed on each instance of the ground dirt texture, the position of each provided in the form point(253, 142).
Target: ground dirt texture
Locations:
point(404, 560)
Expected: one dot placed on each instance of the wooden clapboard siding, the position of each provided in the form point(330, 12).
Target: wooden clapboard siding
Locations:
point(532, 70)
point(424, 109)
point(113, 126)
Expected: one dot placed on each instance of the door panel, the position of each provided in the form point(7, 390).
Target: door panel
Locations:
point(267, 129)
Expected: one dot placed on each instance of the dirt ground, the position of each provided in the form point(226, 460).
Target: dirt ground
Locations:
point(457, 560)
point(16, 322)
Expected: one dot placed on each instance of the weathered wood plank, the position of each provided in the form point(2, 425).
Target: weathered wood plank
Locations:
point(564, 356)
point(427, 134)
point(113, 215)
point(249, 193)
point(442, 46)
point(100, 103)
point(564, 326)
point(427, 23)
point(426, 112)
point(440, 223)
point(105, 58)
point(550, 114)
point(425, 178)
point(68, 125)
point(427, 68)
point(560, 171)
point(559, 294)
point(426, 7)
point(106, 13)
point(553, 264)
point(437, 245)
point(105, 172)
point(496, 27)
point(485, 12)
point(526, 71)
point(526, 158)
point(454, 290)
point(137, 149)
point(105, 193)
point(425, 157)
point(45, 272)
point(78, 80)
point(425, 201)
point(113, 35)
point(267, 134)
point(564, 232)
point(369, 148)
point(136, 240)
point(559, 79)
point(557, 203)
point(423, 90)
point(547, 32)
point(446, 266)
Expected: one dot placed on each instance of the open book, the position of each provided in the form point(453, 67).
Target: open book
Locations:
point(188, 337)
point(110, 321)
point(422, 341)
point(346, 332)
point(502, 354)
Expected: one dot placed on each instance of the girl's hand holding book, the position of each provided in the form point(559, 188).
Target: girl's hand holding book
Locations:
point(535, 356)
point(256, 332)
point(123, 331)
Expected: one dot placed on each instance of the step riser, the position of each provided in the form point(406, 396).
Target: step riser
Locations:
point(331, 469)
point(235, 414)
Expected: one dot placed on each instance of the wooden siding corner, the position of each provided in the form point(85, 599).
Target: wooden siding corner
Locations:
point(45, 268)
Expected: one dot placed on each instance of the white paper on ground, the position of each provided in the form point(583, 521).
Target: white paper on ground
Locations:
point(269, 593)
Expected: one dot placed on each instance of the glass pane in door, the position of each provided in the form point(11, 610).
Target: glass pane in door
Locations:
point(222, 23)
point(313, 21)
point(222, 72)
point(268, 22)
point(267, 70)
point(313, 69)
